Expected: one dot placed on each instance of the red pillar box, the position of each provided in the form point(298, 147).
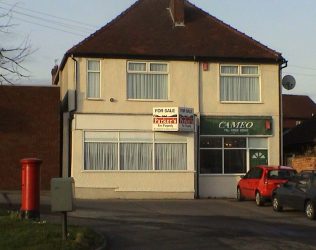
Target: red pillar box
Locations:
point(30, 188)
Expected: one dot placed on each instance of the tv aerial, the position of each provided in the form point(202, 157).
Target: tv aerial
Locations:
point(288, 82)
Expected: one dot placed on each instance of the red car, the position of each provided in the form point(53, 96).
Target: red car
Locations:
point(261, 181)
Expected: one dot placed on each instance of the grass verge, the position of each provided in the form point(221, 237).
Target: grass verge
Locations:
point(27, 234)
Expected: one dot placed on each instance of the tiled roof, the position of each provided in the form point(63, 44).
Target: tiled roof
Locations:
point(298, 106)
point(303, 133)
point(146, 30)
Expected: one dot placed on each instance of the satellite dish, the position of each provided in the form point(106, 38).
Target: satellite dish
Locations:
point(288, 82)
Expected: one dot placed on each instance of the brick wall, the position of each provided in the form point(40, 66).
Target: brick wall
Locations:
point(304, 163)
point(29, 127)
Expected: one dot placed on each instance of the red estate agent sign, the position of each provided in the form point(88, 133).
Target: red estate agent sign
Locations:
point(165, 120)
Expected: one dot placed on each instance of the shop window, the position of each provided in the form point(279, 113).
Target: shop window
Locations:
point(100, 151)
point(211, 161)
point(136, 156)
point(234, 156)
point(100, 156)
point(134, 151)
point(147, 80)
point(170, 156)
point(234, 142)
point(239, 83)
point(258, 143)
point(210, 142)
point(235, 161)
point(228, 155)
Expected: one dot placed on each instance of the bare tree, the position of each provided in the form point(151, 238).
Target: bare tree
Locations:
point(12, 56)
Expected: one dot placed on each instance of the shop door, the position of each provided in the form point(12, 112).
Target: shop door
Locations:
point(258, 157)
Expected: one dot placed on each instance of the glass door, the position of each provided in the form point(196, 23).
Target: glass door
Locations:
point(258, 157)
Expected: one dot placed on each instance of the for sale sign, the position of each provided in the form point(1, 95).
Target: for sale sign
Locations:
point(186, 119)
point(173, 119)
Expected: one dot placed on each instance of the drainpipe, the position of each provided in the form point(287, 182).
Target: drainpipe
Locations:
point(198, 132)
point(282, 65)
point(71, 117)
point(61, 139)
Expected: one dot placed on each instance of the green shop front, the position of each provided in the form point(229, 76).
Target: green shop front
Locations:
point(229, 147)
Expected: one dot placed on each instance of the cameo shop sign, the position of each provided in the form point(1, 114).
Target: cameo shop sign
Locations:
point(173, 119)
point(236, 125)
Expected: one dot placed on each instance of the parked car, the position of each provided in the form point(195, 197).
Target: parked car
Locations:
point(299, 193)
point(260, 181)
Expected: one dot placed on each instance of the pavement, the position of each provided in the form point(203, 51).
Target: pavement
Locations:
point(185, 224)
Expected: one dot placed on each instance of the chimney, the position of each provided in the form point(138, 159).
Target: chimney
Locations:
point(54, 73)
point(177, 12)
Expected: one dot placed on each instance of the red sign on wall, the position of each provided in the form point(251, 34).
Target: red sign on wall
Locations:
point(173, 119)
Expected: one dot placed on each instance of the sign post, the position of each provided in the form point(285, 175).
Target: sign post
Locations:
point(62, 196)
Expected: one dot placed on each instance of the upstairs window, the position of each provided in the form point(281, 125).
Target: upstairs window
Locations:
point(93, 79)
point(147, 80)
point(239, 83)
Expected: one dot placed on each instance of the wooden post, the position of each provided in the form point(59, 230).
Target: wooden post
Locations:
point(64, 225)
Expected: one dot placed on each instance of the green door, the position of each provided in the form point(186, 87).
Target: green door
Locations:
point(258, 157)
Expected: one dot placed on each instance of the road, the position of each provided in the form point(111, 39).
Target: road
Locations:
point(185, 224)
point(195, 224)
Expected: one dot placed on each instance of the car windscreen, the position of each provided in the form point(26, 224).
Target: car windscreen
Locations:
point(281, 174)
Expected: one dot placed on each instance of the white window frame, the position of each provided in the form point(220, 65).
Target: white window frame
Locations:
point(239, 74)
point(148, 71)
point(87, 78)
point(119, 141)
point(247, 148)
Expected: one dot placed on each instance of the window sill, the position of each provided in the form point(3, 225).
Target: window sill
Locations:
point(221, 175)
point(148, 100)
point(241, 102)
point(94, 99)
point(137, 171)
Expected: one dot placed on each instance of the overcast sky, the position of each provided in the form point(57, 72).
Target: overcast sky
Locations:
point(54, 26)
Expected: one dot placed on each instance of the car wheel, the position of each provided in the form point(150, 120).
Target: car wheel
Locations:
point(239, 195)
point(259, 199)
point(310, 210)
point(276, 204)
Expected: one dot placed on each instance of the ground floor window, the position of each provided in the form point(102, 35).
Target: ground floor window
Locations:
point(134, 151)
point(231, 155)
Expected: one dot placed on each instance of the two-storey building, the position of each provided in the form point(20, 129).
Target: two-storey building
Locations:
point(129, 92)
